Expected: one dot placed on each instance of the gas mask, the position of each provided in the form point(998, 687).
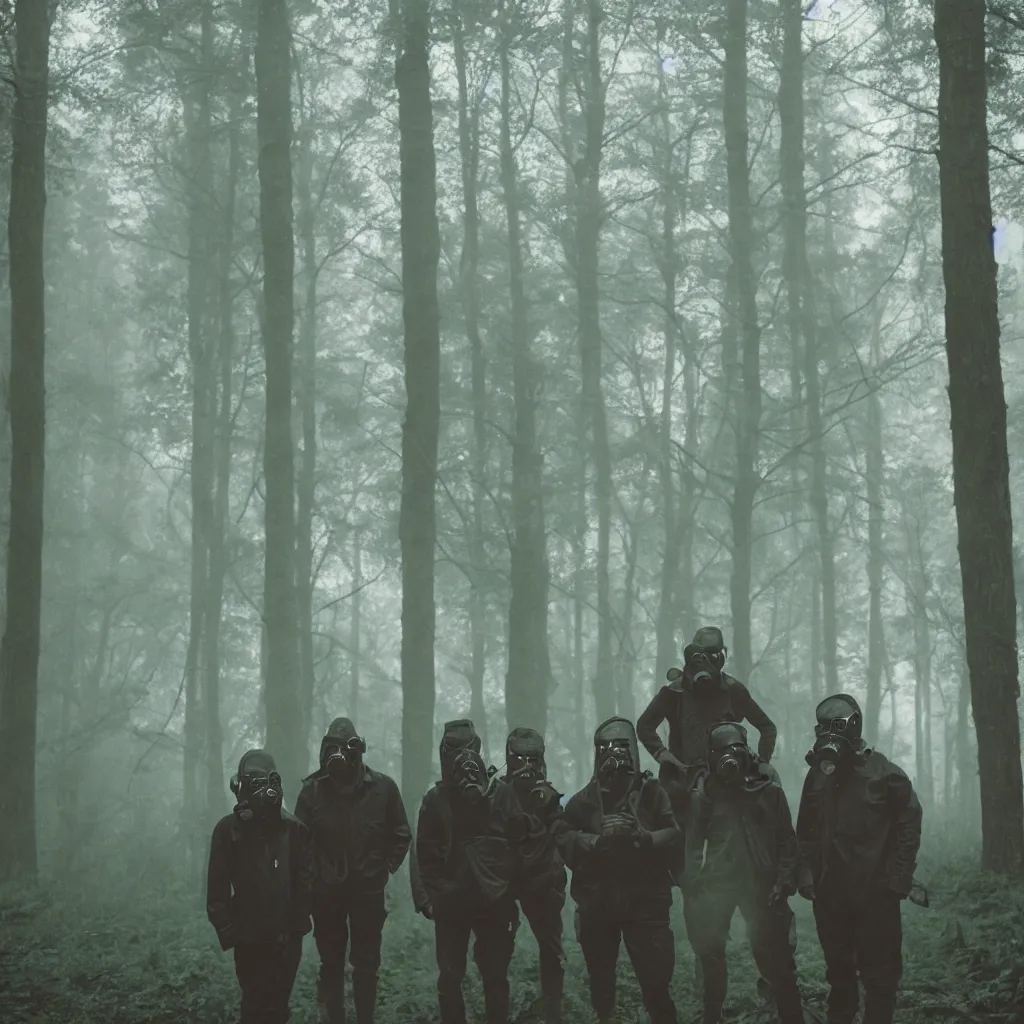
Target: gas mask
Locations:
point(704, 659)
point(342, 758)
point(837, 732)
point(259, 794)
point(470, 775)
point(614, 758)
point(525, 767)
point(728, 754)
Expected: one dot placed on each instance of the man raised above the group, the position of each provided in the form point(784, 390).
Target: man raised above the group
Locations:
point(697, 698)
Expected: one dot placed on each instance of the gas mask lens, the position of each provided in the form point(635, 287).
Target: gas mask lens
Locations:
point(615, 757)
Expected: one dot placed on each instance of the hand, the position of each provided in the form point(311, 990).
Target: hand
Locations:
point(427, 911)
point(544, 795)
point(617, 825)
point(642, 839)
point(807, 891)
point(667, 757)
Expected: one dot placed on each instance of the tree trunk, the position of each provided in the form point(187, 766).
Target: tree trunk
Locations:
point(529, 668)
point(667, 624)
point(197, 102)
point(305, 480)
point(421, 427)
point(917, 600)
point(802, 316)
point(19, 653)
point(355, 623)
point(589, 214)
point(981, 489)
point(215, 788)
point(469, 150)
point(875, 473)
point(747, 409)
point(274, 134)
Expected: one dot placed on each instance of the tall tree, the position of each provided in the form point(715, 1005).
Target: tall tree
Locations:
point(469, 151)
point(19, 652)
point(196, 89)
point(589, 213)
point(746, 405)
point(417, 526)
point(802, 315)
point(274, 136)
point(529, 668)
point(981, 471)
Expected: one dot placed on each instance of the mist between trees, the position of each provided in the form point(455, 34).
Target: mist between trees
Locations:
point(407, 363)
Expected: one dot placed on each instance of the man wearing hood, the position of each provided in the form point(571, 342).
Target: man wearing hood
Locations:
point(622, 843)
point(741, 852)
point(859, 827)
point(697, 697)
point(467, 838)
point(360, 838)
point(258, 889)
point(540, 878)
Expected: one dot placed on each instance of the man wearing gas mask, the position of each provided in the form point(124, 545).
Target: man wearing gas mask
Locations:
point(360, 838)
point(697, 697)
point(540, 879)
point(621, 841)
point(741, 852)
point(467, 838)
point(258, 889)
point(859, 827)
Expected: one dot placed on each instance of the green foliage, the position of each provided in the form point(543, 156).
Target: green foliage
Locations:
point(72, 955)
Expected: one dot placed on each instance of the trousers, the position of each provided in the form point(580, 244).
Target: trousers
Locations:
point(494, 933)
point(266, 974)
point(642, 924)
point(543, 911)
point(861, 936)
point(351, 922)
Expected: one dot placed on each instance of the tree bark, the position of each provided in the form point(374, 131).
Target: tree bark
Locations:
point(19, 652)
point(421, 427)
point(589, 215)
point(469, 150)
point(215, 788)
point(355, 624)
point(917, 602)
point(197, 102)
point(747, 409)
point(528, 679)
point(274, 135)
point(981, 487)
point(305, 481)
point(802, 314)
point(875, 473)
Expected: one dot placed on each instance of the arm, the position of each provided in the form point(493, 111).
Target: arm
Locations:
point(430, 851)
point(788, 851)
point(755, 715)
point(218, 885)
point(399, 832)
point(906, 838)
point(807, 834)
point(304, 805)
point(647, 724)
point(666, 834)
point(576, 845)
point(304, 876)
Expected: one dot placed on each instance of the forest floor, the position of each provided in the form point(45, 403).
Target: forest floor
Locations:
point(69, 958)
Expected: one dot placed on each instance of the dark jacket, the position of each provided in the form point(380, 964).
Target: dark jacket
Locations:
point(259, 882)
point(755, 822)
point(360, 836)
point(690, 720)
point(539, 861)
point(466, 856)
point(625, 872)
point(860, 828)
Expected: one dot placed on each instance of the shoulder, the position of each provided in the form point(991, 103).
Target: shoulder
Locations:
point(226, 829)
point(734, 686)
point(879, 768)
point(380, 780)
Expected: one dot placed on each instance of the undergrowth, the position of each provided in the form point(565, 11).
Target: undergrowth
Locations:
point(68, 957)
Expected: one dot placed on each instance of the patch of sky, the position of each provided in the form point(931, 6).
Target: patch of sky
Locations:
point(668, 64)
point(821, 9)
point(1007, 241)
